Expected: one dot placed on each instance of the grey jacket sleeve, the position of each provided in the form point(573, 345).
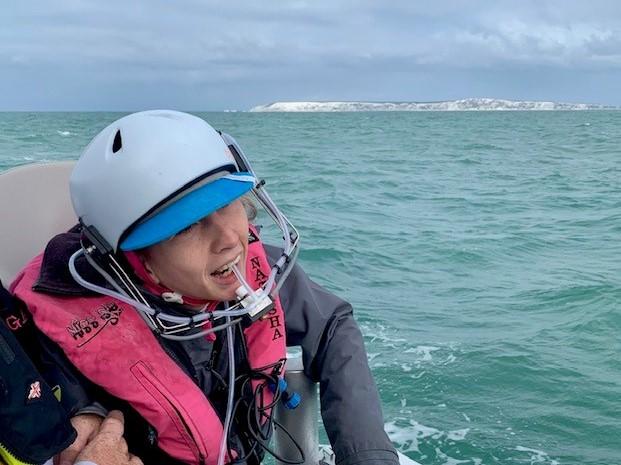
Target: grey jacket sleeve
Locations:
point(334, 356)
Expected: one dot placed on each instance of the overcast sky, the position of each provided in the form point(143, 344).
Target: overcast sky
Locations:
point(208, 55)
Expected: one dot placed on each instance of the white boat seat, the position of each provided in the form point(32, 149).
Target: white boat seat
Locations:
point(34, 206)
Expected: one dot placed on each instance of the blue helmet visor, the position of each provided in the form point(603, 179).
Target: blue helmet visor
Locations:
point(188, 209)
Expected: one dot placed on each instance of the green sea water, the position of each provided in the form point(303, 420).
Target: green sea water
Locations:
point(481, 252)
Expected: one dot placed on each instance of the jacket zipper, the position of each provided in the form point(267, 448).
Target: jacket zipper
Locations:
point(8, 454)
point(201, 457)
point(146, 374)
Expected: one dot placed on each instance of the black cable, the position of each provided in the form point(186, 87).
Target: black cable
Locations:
point(259, 425)
point(259, 435)
point(270, 451)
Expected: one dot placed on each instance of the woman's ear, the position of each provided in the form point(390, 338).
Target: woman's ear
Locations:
point(145, 261)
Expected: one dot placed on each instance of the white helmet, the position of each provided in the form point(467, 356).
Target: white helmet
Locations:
point(146, 177)
point(151, 174)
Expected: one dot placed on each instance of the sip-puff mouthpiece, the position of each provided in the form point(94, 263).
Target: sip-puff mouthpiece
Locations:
point(251, 300)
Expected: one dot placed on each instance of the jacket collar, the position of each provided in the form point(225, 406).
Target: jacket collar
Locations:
point(55, 277)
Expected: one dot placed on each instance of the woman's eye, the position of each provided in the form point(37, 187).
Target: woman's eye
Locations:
point(185, 230)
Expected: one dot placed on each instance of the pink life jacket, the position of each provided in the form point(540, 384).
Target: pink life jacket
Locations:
point(109, 343)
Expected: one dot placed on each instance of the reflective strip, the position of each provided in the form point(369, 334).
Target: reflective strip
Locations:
point(240, 177)
point(9, 459)
point(57, 391)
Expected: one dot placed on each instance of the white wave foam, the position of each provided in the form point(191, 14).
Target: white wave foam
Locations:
point(423, 351)
point(64, 133)
point(448, 460)
point(450, 359)
point(408, 435)
point(385, 342)
point(537, 456)
point(403, 437)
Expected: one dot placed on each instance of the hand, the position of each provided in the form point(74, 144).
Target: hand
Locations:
point(109, 447)
point(87, 426)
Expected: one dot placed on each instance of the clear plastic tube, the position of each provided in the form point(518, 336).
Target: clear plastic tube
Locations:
point(117, 295)
point(241, 279)
point(164, 316)
point(145, 310)
point(231, 393)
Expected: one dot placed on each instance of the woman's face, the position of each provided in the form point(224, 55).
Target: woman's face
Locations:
point(196, 262)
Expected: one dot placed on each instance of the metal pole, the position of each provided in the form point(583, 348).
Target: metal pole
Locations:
point(303, 422)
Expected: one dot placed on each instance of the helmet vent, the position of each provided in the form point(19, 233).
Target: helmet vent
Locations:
point(117, 144)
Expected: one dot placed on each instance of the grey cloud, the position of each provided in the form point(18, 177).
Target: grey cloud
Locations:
point(298, 48)
point(202, 32)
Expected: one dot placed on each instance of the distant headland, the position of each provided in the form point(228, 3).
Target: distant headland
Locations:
point(468, 104)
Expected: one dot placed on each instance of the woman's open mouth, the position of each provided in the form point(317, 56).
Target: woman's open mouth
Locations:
point(226, 270)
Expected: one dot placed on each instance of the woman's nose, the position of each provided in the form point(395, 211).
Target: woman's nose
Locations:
point(221, 232)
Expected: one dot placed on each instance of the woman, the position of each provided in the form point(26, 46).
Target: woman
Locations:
point(177, 314)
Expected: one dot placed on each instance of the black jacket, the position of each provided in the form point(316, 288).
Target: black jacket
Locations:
point(34, 426)
point(332, 349)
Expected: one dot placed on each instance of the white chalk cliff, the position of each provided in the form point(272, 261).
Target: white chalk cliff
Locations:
point(469, 104)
